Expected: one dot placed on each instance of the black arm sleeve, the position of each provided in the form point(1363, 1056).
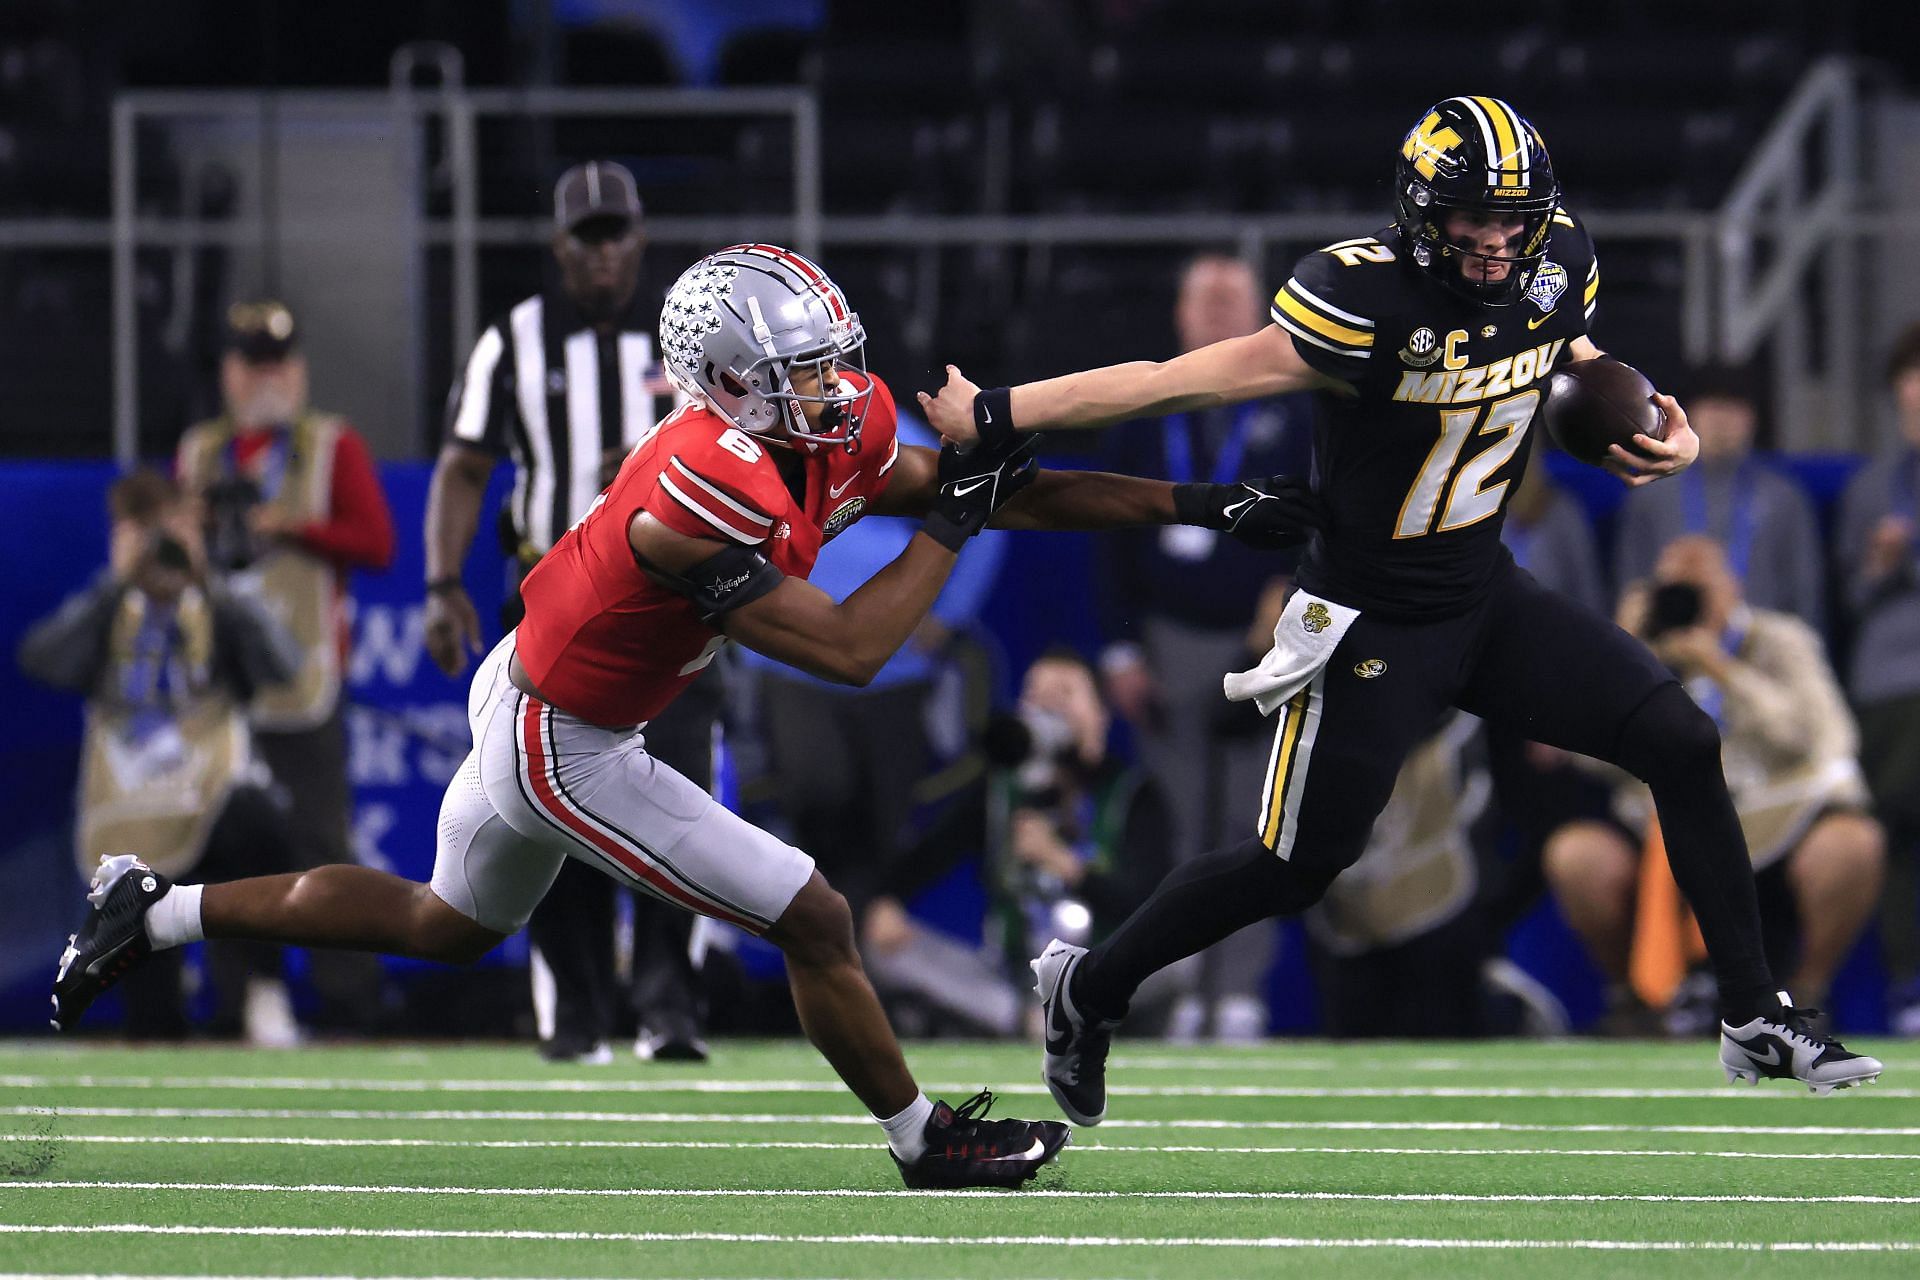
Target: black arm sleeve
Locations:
point(735, 577)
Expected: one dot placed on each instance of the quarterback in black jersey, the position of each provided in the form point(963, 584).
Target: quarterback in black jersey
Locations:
point(1430, 342)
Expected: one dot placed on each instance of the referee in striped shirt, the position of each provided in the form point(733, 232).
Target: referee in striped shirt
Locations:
point(565, 383)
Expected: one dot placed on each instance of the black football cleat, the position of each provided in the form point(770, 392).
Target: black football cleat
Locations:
point(1791, 1045)
point(1075, 1063)
point(111, 940)
point(965, 1149)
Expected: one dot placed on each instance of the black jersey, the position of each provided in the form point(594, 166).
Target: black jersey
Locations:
point(1417, 467)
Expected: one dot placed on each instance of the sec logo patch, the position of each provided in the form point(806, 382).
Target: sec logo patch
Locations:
point(1422, 349)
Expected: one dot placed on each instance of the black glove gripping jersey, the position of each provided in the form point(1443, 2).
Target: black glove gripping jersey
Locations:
point(1417, 466)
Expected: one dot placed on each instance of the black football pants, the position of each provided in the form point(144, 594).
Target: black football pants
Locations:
point(1525, 660)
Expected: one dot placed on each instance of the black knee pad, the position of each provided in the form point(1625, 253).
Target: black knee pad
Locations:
point(1668, 735)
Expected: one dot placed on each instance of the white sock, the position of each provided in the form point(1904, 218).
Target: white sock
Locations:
point(174, 921)
point(907, 1132)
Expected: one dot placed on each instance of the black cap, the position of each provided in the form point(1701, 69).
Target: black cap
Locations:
point(596, 189)
point(261, 332)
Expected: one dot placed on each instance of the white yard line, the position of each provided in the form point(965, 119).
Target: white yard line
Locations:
point(786, 1118)
point(375, 1085)
point(671, 1193)
point(1053, 1241)
point(665, 1145)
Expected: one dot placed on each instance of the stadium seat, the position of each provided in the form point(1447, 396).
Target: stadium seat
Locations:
point(778, 56)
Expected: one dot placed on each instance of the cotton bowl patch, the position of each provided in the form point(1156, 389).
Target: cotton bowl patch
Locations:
point(843, 515)
point(1548, 284)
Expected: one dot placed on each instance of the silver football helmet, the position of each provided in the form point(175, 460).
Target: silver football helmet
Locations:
point(738, 324)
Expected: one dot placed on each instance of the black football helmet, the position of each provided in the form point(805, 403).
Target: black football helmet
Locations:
point(1478, 154)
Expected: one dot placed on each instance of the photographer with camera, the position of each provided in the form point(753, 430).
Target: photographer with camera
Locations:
point(1735, 494)
point(1789, 750)
point(1074, 839)
point(168, 662)
point(292, 503)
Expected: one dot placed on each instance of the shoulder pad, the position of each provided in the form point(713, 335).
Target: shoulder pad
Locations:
point(1572, 248)
point(724, 477)
point(1335, 295)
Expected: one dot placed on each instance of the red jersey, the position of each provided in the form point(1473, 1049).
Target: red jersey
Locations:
point(610, 645)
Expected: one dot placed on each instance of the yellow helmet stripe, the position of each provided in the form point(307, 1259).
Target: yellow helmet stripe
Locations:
point(1512, 157)
point(1326, 328)
point(1487, 137)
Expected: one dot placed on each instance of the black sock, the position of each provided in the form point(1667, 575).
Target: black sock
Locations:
point(1198, 904)
point(1673, 746)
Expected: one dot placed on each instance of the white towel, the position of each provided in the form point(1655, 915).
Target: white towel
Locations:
point(1304, 639)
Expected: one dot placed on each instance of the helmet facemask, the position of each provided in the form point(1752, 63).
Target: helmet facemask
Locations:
point(1422, 223)
point(742, 326)
point(844, 408)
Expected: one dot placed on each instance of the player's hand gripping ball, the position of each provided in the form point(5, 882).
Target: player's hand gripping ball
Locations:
point(1606, 414)
point(1596, 404)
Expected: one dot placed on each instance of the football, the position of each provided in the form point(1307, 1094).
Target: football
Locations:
point(1597, 403)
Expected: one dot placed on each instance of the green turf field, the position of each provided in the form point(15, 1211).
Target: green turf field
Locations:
point(1481, 1160)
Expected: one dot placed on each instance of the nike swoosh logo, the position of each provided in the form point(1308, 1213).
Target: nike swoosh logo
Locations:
point(1033, 1152)
point(987, 412)
point(67, 958)
point(1238, 509)
point(962, 490)
point(1536, 322)
point(834, 491)
point(1771, 1060)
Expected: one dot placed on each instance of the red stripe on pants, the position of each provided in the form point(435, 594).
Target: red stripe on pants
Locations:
point(549, 800)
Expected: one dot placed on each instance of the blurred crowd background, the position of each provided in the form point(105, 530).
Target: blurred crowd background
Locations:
point(261, 267)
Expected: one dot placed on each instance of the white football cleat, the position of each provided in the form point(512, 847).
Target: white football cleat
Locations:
point(1075, 1065)
point(1788, 1047)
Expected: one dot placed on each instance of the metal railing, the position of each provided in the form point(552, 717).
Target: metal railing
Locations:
point(1802, 212)
point(1745, 266)
point(456, 107)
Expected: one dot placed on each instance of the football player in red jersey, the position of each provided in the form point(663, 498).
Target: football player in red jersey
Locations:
point(705, 537)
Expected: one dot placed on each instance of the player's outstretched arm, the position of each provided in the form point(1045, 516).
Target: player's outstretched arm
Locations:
point(800, 625)
point(1249, 368)
point(790, 619)
point(1278, 512)
point(1054, 500)
point(737, 590)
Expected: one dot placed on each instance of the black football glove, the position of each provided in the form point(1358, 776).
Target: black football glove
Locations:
point(974, 485)
point(1270, 514)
